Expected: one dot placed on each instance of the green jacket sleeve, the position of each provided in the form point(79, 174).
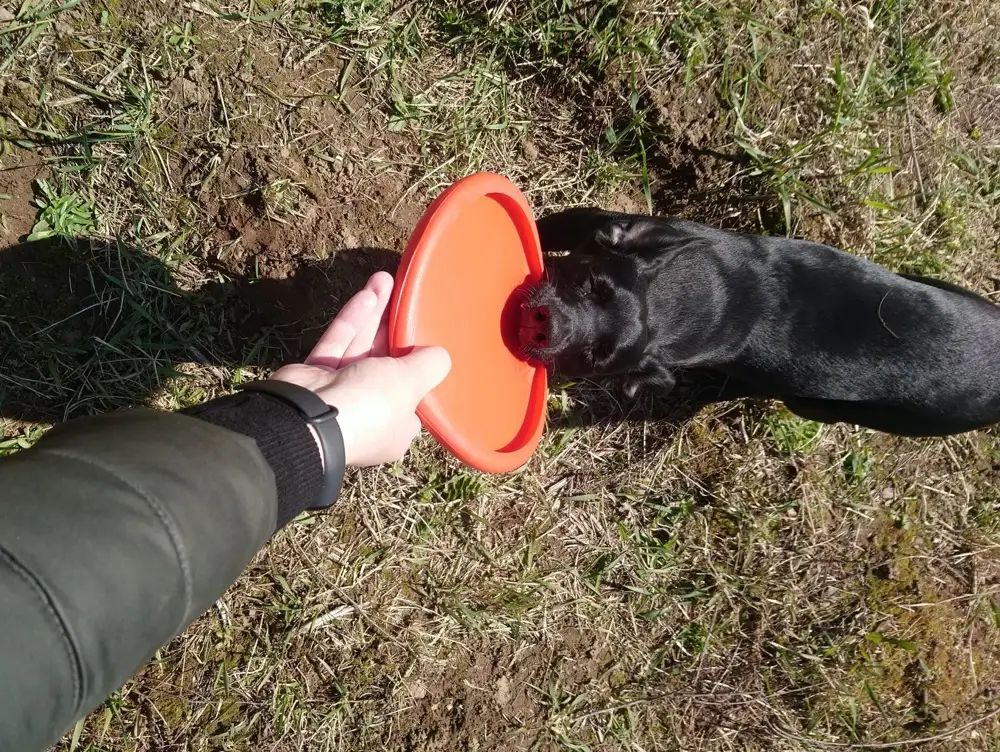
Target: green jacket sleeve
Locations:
point(115, 533)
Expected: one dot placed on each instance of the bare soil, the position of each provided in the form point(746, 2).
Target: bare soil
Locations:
point(18, 170)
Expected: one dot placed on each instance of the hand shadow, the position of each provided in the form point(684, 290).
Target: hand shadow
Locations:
point(101, 326)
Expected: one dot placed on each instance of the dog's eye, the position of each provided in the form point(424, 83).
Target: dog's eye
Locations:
point(602, 349)
point(601, 291)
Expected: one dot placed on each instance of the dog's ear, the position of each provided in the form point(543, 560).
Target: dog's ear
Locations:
point(613, 235)
point(569, 229)
point(586, 230)
point(633, 235)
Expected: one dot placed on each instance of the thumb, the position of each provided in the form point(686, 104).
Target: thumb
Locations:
point(424, 369)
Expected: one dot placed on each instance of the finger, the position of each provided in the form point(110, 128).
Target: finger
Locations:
point(381, 285)
point(343, 329)
point(380, 282)
point(380, 345)
point(413, 427)
point(426, 368)
point(409, 432)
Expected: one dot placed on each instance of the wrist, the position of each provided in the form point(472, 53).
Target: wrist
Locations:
point(319, 444)
point(322, 418)
point(323, 384)
point(283, 439)
point(341, 400)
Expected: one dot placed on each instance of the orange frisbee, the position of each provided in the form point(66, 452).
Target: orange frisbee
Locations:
point(460, 285)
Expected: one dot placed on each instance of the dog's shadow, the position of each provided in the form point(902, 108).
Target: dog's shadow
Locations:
point(100, 325)
point(584, 404)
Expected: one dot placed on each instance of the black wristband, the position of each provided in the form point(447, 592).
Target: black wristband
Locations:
point(323, 418)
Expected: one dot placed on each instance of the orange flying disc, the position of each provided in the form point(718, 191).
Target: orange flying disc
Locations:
point(460, 285)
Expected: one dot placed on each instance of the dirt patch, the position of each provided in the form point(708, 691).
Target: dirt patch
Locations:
point(18, 170)
point(305, 168)
point(252, 229)
point(302, 202)
point(502, 696)
point(302, 296)
point(480, 699)
point(932, 645)
point(298, 242)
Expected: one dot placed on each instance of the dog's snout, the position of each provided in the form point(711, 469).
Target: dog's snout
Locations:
point(534, 329)
point(537, 315)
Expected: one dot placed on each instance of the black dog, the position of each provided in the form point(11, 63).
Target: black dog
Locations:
point(835, 337)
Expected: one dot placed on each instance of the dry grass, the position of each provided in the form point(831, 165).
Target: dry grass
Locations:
point(742, 580)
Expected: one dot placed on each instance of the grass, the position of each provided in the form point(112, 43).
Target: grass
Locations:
point(744, 580)
point(793, 435)
point(61, 215)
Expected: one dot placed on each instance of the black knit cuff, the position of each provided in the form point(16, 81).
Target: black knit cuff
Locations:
point(283, 437)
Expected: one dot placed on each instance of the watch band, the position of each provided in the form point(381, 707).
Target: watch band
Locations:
point(324, 418)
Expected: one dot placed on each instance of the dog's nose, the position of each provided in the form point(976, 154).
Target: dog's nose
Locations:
point(534, 330)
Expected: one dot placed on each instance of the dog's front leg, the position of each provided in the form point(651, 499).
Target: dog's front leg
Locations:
point(650, 376)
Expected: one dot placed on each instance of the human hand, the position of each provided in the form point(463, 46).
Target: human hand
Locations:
point(376, 395)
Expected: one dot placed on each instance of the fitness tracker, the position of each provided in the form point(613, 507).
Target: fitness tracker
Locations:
point(323, 418)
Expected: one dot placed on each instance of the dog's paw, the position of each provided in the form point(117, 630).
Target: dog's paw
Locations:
point(632, 388)
point(650, 377)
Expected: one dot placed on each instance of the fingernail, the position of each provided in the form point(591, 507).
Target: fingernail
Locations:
point(369, 300)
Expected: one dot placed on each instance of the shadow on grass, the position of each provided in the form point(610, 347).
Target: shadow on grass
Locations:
point(606, 404)
point(101, 326)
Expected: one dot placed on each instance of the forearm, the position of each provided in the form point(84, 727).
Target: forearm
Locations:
point(282, 437)
point(117, 532)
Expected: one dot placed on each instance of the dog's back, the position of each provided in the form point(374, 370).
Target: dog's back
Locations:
point(836, 337)
point(904, 354)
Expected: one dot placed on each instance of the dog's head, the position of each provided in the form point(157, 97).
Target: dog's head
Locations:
point(588, 318)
